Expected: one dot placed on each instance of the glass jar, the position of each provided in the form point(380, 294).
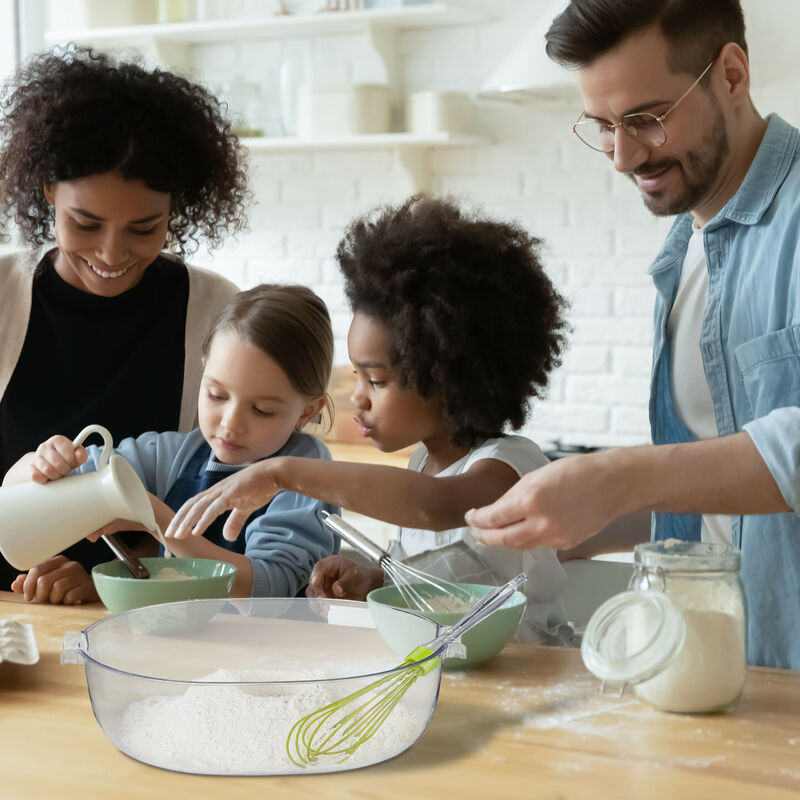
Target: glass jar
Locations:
point(678, 634)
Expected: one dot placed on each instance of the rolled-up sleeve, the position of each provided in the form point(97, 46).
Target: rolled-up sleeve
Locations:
point(777, 439)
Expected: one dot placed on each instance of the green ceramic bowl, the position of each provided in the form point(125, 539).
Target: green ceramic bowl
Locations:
point(119, 591)
point(483, 641)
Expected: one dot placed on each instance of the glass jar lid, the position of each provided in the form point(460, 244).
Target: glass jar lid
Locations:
point(632, 637)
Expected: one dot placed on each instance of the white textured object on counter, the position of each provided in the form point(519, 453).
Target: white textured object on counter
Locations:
point(17, 642)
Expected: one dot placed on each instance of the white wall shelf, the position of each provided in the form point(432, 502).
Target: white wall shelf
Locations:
point(363, 142)
point(412, 149)
point(202, 32)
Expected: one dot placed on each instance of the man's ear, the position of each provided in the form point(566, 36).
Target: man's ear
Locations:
point(735, 73)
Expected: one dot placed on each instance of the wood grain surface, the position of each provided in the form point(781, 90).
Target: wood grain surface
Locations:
point(529, 724)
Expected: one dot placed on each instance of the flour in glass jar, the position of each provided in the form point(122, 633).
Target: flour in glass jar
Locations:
point(230, 729)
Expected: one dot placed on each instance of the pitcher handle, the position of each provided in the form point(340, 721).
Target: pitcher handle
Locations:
point(108, 442)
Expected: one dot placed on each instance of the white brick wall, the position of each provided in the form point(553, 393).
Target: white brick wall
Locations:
point(600, 239)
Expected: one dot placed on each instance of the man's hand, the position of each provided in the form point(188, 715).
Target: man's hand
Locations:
point(558, 505)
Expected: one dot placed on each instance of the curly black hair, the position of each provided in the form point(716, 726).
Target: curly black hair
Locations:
point(74, 112)
point(471, 315)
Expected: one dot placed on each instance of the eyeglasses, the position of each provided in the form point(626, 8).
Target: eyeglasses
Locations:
point(644, 127)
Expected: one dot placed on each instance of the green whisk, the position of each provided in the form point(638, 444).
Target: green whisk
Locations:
point(341, 727)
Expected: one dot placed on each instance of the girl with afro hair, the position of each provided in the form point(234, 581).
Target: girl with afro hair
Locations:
point(456, 328)
point(109, 173)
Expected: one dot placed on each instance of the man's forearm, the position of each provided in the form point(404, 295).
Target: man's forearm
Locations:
point(716, 476)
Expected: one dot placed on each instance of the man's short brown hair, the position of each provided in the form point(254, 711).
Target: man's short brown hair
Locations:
point(696, 30)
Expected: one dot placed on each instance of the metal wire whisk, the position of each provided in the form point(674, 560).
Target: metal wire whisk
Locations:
point(419, 590)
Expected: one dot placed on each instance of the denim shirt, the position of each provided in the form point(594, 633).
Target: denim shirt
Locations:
point(750, 346)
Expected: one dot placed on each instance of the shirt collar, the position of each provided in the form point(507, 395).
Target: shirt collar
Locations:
point(770, 166)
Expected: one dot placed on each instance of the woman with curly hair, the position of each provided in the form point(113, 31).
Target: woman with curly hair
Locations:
point(456, 327)
point(103, 167)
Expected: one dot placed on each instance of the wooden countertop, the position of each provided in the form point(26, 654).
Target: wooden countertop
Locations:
point(367, 453)
point(530, 724)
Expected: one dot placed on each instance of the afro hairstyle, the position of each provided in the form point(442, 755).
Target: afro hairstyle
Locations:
point(471, 315)
point(74, 112)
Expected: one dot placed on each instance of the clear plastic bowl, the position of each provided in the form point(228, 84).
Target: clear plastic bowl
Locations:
point(214, 686)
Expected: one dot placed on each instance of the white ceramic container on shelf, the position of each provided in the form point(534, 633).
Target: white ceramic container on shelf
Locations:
point(438, 112)
point(343, 110)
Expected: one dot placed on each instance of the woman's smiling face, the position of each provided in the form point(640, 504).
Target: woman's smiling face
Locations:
point(108, 231)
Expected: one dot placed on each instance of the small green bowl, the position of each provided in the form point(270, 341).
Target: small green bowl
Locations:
point(483, 641)
point(120, 591)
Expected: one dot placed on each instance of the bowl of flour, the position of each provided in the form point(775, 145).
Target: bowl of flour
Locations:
point(171, 580)
point(482, 642)
point(220, 695)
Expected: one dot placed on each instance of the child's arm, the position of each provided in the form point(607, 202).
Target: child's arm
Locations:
point(400, 496)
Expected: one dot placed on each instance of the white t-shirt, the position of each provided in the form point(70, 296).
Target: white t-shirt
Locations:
point(455, 556)
point(689, 383)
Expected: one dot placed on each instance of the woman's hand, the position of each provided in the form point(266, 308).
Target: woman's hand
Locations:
point(338, 577)
point(55, 459)
point(57, 580)
point(241, 493)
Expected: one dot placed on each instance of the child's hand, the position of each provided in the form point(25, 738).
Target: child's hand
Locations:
point(55, 459)
point(57, 580)
point(338, 577)
point(241, 493)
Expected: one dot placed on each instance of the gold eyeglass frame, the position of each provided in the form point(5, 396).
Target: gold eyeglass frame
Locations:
point(631, 129)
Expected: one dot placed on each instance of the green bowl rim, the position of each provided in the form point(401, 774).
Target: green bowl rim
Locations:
point(231, 569)
point(515, 600)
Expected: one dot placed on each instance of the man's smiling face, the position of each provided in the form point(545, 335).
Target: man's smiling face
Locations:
point(635, 76)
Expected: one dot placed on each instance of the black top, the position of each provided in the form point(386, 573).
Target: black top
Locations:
point(115, 361)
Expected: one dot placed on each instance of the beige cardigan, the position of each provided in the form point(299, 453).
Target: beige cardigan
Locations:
point(208, 293)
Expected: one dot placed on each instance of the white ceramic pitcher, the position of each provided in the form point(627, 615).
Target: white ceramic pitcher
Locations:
point(38, 521)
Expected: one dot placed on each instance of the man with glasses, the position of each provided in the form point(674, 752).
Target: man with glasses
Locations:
point(665, 85)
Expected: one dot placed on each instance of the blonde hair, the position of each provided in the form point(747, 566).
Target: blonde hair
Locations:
point(290, 324)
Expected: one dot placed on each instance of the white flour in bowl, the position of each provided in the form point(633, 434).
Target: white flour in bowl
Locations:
point(447, 604)
point(243, 729)
point(171, 574)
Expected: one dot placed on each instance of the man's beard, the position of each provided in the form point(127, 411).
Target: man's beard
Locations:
point(699, 168)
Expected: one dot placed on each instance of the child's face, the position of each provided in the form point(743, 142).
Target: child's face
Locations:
point(108, 231)
point(247, 407)
point(393, 417)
